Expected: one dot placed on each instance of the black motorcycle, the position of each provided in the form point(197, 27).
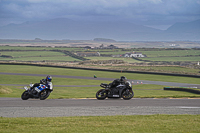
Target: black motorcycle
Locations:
point(42, 92)
point(121, 91)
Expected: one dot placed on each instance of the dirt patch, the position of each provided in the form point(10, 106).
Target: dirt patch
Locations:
point(5, 90)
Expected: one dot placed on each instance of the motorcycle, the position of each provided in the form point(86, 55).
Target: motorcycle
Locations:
point(121, 91)
point(42, 92)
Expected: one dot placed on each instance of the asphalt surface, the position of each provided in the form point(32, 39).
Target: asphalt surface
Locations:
point(15, 107)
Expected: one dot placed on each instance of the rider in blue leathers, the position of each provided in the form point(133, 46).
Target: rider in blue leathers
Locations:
point(47, 82)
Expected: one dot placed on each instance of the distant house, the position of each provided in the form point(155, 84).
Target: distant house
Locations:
point(87, 54)
point(134, 54)
point(172, 45)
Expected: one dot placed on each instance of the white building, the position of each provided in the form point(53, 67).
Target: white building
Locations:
point(134, 54)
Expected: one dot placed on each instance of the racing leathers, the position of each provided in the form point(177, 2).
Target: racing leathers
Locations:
point(44, 82)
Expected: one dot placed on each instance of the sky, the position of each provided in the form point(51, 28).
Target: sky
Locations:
point(154, 13)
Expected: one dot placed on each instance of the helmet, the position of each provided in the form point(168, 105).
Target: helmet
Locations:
point(48, 78)
point(123, 79)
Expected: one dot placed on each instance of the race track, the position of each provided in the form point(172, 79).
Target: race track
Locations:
point(15, 107)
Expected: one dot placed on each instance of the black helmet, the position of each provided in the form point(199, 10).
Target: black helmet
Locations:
point(49, 78)
point(123, 79)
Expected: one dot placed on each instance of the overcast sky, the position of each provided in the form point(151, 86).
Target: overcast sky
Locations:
point(155, 13)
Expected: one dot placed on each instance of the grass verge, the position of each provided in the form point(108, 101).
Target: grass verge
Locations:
point(5, 90)
point(102, 124)
point(140, 91)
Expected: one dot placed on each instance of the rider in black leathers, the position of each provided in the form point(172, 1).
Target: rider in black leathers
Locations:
point(117, 82)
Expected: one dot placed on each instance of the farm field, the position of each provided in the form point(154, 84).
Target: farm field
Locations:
point(127, 60)
point(150, 53)
point(174, 59)
point(163, 53)
point(155, 56)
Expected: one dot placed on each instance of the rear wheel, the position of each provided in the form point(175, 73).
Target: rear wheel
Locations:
point(101, 94)
point(127, 94)
point(44, 94)
point(25, 95)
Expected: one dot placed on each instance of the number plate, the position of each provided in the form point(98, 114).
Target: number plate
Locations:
point(38, 90)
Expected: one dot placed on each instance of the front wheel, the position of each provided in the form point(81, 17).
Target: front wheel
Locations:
point(127, 94)
point(44, 94)
point(25, 95)
point(101, 94)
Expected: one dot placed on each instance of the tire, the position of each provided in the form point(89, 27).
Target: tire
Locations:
point(25, 95)
point(101, 94)
point(44, 94)
point(127, 94)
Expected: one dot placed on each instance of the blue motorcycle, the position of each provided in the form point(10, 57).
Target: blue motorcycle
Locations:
point(40, 92)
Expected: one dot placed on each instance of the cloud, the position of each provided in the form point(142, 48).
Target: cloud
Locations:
point(141, 10)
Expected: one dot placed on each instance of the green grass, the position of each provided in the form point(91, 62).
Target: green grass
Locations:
point(48, 59)
point(174, 59)
point(14, 91)
point(128, 60)
point(32, 53)
point(171, 53)
point(141, 90)
point(174, 69)
point(5, 90)
point(152, 54)
point(90, 73)
point(104, 124)
point(162, 69)
point(38, 48)
point(37, 56)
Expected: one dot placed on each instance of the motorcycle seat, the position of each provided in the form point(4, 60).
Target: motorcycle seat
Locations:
point(104, 85)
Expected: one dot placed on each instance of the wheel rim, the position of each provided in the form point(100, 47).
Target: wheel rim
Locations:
point(43, 93)
point(101, 94)
point(25, 96)
point(127, 94)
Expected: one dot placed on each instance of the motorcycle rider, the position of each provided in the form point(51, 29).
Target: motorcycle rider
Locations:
point(117, 82)
point(46, 82)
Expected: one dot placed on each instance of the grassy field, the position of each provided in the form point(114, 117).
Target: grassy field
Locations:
point(174, 59)
point(165, 69)
point(169, 53)
point(191, 55)
point(140, 90)
point(90, 73)
point(32, 53)
point(128, 60)
point(104, 124)
point(36, 56)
